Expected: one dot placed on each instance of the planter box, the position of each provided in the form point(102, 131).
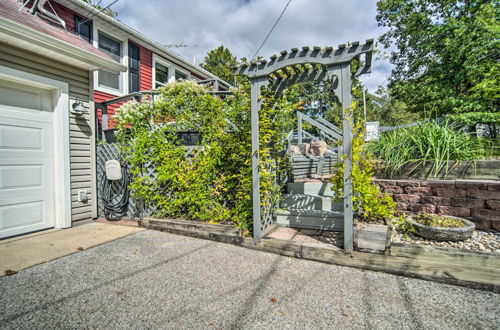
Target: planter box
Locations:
point(372, 238)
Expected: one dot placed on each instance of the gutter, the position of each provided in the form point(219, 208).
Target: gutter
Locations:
point(157, 46)
point(28, 38)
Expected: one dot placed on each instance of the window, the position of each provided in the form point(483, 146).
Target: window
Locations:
point(165, 72)
point(113, 48)
point(83, 28)
point(161, 75)
point(180, 76)
point(133, 68)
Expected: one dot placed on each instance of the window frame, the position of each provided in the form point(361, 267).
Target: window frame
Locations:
point(130, 70)
point(123, 80)
point(172, 68)
point(77, 28)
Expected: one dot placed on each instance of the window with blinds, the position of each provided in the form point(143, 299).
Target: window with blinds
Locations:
point(113, 48)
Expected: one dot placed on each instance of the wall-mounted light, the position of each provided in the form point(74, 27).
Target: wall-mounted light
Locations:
point(77, 108)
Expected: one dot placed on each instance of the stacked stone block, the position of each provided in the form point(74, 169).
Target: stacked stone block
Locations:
point(478, 201)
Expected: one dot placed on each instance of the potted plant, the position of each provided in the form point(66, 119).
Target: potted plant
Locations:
point(441, 227)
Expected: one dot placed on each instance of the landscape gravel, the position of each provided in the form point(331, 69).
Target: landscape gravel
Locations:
point(479, 241)
point(158, 280)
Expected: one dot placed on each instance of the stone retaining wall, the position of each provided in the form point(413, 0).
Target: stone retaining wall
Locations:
point(478, 201)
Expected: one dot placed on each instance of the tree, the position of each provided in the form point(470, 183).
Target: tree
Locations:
point(220, 61)
point(446, 58)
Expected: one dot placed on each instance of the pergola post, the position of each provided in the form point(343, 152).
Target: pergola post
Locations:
point(338, 68)
point(346, 99)
point(255, 88)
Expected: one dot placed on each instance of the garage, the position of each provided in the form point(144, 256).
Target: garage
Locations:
point(27, 158)
point(47, 121)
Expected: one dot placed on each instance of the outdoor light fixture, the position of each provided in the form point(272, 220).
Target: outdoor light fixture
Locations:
point(77, 108)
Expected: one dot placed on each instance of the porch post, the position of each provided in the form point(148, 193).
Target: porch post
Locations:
point(347, 151)
point(256, 85)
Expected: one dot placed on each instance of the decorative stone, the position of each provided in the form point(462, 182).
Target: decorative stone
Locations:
point(454, 211)
point(444, 234)
point(405, 198)
point(318, 148)
point(295, 150)
point(304, 148)
point(436, 200)
point(418, 190)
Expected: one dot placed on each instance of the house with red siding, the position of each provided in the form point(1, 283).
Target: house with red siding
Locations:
point(149, 64)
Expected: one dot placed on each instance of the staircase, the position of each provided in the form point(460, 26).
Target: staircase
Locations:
point(310, 205)
point(308, 202)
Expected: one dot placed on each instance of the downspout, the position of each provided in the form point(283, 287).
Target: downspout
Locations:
point(43, 12)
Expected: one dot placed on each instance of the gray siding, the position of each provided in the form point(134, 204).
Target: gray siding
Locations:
point(82, 141)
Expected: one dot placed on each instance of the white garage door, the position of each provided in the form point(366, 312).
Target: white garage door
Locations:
point(26, 159)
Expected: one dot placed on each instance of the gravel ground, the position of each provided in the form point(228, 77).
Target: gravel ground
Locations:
point(480, 241)
point(157, 280)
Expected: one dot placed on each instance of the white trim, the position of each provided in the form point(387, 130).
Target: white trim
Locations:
point(62, 175)
point(93, 146)
point(27, 38)
point(139, 38)
point(124, 61)
point(172, 68)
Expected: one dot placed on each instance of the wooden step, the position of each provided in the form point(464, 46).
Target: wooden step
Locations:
point(311, 219)
point(310, 202)
point(310, 188)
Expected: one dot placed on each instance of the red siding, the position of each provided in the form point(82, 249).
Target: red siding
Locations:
point(64, 13)
point(146, 69)
point(101, 97)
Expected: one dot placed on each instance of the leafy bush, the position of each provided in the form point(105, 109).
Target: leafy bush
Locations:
point(369, 203)
point(213, 181)
point(427, 142)
point(440, 221)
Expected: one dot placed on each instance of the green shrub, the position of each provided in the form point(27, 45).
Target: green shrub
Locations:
point(369, 203)
point(427, 142)
point(212, 182)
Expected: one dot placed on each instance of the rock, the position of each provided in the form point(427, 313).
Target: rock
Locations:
point(318, 148)
point(295, 150)
point(304, 148)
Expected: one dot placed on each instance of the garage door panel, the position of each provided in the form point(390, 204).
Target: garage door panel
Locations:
point(24, 114)
point(21, 176)
point(20, 138)
point(25, 139)
point(20, 216)
point(26, 161)
point(17, 95)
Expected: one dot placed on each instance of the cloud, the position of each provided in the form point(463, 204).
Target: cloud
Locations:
point(241, 25)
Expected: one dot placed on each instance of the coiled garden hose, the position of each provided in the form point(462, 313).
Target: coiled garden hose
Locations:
point(115, 195)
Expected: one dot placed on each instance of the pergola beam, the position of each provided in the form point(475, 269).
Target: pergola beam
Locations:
point(325, 56)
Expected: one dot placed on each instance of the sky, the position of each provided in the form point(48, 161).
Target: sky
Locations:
point(242, 25)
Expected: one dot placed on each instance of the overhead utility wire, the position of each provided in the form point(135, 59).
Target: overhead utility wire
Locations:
point(272, 29)
point(99, 10)
point(92, 11)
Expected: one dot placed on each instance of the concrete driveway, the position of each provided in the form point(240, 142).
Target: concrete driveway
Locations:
point(157, 280)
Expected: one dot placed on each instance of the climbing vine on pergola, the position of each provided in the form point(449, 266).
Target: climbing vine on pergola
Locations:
point(315, 64)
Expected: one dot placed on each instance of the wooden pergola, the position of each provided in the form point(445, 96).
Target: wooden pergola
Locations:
point(302, 65)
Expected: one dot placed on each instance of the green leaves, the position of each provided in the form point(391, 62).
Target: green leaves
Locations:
point(220, 62)
point(214, 181)
point(446, 58)
point(411, 148)
point(369, 202)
